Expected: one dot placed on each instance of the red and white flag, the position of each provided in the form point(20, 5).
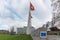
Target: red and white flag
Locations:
point(31, 7)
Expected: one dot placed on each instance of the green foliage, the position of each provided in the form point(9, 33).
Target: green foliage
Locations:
point(15, 37)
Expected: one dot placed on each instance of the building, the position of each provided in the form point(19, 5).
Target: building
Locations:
point(12, 31)
point(56, 12)
point(49, 24)
point(4, 32)
point(36, 33)
point(21, 30)
point(24, 30)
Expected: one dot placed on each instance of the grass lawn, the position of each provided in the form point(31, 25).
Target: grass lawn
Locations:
point(15, 37)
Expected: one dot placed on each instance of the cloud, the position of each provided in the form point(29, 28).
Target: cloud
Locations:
point(4, 27)
point(10, 22)
point(40, 4)
point(42, 10)
point(20, 8)
point(36, 22)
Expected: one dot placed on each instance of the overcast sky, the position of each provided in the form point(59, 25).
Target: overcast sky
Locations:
point(15, 13)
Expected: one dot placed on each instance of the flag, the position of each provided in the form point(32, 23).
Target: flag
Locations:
point(31, 7)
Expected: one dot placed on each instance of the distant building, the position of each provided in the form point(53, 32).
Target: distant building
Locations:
point(48, 24)
point(21, 30)
point(12, 31)
point(24, 30)
point(4, 32)
point(56, 12)
point(36, 32)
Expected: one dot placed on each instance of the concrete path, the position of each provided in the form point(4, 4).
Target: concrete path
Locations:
point(50, 37)
point(53, 37)
point(38, 38)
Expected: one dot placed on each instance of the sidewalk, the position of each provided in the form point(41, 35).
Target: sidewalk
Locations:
point(37, 38)
point(50, 37)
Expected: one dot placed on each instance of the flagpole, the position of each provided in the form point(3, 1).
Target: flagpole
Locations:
point(29, 19)
point(29, 23)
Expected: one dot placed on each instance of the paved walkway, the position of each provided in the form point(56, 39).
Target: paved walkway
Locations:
point(53, 37)
point(36, 38)
point(50, 37)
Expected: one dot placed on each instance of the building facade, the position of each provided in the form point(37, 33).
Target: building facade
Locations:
point(24, 30)
point(21, 30)
point(49, 24)
point(56, 12)
point(36, 33)
point(4, 32)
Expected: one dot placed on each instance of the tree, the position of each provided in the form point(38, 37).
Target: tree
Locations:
point(54, 29)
